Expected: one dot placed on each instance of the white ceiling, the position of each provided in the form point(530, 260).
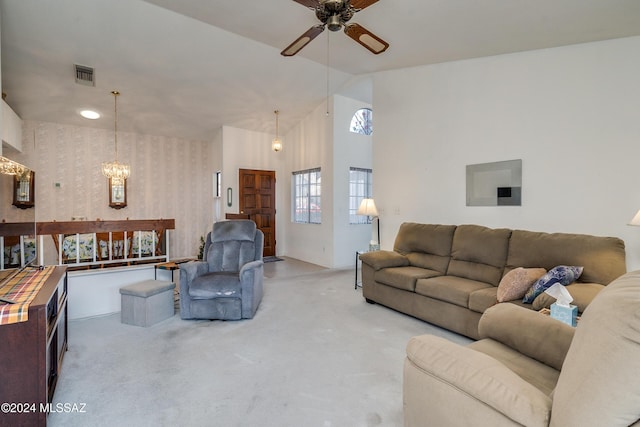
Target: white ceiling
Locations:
point(187, 67)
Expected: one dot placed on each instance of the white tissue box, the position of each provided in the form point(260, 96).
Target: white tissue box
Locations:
point(568, 315)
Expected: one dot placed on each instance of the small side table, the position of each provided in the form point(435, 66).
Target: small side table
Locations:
point(171, 266)
point(357, 256)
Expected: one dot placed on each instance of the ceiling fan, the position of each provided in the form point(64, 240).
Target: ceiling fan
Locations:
point(334, 14)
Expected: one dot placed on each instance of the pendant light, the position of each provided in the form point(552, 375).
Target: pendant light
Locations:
point(276, 145)
point(116, 171)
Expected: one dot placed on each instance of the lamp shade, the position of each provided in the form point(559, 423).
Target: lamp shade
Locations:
point(367, 207)
point(635, 220)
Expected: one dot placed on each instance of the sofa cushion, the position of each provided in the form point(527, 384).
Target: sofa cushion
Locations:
point(479, 377)
point(430, 261)
point(536, 373)
point(479, 253)
point(223, 284)
point(582, 293)
point(452, 289)
point(432, 239)
point(517, 282)
point(562, 274)
point(483, 298)
point(598, 384)
point(403, 277)
point(603, 258)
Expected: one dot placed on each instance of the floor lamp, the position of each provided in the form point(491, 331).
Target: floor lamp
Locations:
point(368, 208)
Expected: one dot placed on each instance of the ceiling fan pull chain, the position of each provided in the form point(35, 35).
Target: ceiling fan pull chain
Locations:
point(327, 100)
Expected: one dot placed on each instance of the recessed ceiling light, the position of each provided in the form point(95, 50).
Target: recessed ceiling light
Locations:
point(90, 114)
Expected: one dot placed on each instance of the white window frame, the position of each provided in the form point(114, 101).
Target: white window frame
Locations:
point(360, 187)
point(362, 122)
point(307, 196)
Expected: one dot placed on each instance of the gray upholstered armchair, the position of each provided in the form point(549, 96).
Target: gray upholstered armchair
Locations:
point(228, 284)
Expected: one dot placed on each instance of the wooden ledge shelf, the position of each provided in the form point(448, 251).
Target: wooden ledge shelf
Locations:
point(129, 225)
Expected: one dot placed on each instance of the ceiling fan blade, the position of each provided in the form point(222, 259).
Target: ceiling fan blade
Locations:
point(309, 3)
point(361, 4)
point(366, 38)
point(303, 40)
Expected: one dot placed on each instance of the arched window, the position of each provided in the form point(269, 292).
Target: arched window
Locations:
point(361, 122)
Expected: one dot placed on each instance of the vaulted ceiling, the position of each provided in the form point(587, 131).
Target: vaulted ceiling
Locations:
point(186, 67)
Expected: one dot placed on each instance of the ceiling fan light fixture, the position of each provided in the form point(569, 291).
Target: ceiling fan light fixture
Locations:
point(334, 23)
point(334, 15)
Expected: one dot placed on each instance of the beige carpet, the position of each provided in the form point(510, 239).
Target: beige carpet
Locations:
point(316, 354)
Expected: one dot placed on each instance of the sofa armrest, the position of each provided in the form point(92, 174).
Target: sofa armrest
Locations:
point(582, 293)
point(248, 267)
point(448, 384)
point(533, 334)
point(190, 270)
point(384, 259)
point(251, 282)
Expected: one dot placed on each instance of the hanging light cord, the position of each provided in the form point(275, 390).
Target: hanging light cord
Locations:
point(115, 120)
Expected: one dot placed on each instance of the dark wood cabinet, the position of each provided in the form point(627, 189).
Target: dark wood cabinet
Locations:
point(31, 355)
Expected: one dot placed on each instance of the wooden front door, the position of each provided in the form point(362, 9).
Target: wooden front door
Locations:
point(258, 200)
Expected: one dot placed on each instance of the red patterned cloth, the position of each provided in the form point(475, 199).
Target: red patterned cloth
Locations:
point(22, 289)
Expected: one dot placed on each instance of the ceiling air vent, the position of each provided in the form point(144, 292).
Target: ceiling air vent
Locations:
point(85, 75)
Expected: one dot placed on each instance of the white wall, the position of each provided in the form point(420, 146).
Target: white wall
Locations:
point(217, 165)
point(349, 150)
point(571, 114)
point(10, 127)
point(310, 145)
point(244, 149)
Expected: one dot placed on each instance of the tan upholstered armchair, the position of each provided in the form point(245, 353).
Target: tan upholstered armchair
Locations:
point(228, 283)
point(535, 371)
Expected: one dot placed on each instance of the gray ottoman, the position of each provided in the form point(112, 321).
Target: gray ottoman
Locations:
point(146, 303)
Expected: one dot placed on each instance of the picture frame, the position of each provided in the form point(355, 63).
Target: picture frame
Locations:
point(494, 184)
point(117, 193)
point(24, 190)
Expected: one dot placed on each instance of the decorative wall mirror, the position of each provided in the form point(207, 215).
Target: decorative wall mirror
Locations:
point(117, 193)
point(495, 184)
point(24, 189)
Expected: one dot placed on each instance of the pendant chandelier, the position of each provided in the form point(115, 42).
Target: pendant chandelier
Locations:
point(116, 171)
point(9, 167)
point(276, 145)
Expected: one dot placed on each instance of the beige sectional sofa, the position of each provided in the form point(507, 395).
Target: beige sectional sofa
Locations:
point(531, 370)
point(448, 275)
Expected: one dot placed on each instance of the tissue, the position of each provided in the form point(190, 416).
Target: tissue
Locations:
point(561, 294)
point(562, 309)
